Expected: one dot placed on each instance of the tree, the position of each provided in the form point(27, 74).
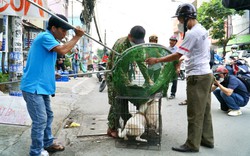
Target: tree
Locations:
point(100, 53)
point(213, 16)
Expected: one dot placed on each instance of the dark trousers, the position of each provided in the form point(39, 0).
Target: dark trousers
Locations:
point(174, 87)
point(60, 66)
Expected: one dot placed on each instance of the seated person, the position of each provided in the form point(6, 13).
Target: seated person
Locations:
point(230, 59)
point(60, 62)
point(217, 58)
point(231, 93)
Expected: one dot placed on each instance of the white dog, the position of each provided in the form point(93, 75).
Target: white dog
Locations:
point(152, 115)
point(135, 126)
point(147, 115)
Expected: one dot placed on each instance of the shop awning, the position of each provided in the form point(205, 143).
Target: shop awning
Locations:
point(239, 40)
point(30, 25)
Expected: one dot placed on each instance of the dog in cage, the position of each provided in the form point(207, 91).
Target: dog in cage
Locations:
point(145, 117)
point(152, 115)
point(135, 126)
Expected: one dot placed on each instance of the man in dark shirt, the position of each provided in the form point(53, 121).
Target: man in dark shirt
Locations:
point(231, 93)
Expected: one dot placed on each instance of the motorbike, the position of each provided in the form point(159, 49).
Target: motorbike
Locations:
point(101, 66)
point(102, 85)
point(242, 68)
point(101, 76)
point(182, 74)
point(239, 67)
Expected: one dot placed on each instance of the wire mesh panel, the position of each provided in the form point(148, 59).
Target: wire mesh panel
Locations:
point(138, 86)
point(132, 77)
point(140, 126)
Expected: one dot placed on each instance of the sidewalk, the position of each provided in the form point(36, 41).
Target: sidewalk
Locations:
point(15, 139)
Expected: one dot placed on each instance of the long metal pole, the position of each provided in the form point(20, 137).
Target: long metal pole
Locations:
point(49, 12)
point(80, 74)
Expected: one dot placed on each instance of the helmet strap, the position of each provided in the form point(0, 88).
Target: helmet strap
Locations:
point(185, 26)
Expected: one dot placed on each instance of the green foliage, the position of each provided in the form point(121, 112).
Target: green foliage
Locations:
point(213, 15)
point(4, 77)
point(100, 53)
point(67, 62)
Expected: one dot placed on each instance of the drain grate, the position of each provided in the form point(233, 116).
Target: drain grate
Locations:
point(92, 125)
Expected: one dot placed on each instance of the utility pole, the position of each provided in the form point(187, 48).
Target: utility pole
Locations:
point(4, 43)
point(72, 11)
point(15, 54)
point(105, 49)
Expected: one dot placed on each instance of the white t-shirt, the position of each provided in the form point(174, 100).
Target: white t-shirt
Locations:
point(195, 47)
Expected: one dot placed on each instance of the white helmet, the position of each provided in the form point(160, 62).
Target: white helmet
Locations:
point(234, 46)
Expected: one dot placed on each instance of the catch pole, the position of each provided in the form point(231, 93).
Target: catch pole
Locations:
point(52, 14)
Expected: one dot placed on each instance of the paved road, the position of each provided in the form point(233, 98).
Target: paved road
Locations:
point(80, 98)
point(231, 135)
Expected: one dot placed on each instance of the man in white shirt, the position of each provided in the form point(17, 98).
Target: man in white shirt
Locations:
point(195, 47)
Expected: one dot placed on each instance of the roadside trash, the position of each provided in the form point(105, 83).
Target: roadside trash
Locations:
point(68, 122)
point(74, 124)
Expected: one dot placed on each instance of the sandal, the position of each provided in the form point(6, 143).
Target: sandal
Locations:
point(112, 133)
point(54, 148)
point(183, 103)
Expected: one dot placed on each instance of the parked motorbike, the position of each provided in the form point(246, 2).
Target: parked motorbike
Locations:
point(101, 76)
point(102, 85)
point(101, 66)
point(242, 68)
point(239, 66)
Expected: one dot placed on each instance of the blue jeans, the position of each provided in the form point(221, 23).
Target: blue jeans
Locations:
point(42, 116)
point(234, 102)
point(75, 67)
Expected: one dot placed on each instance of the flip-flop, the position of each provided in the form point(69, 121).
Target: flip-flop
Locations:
point(54, 148)
point(112, 133)
point(183, 103)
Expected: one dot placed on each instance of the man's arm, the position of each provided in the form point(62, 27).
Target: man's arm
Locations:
point(64, 49)
point(227, 91)
point(168, 58)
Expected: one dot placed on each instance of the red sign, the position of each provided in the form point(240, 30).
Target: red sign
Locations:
point(22, 8)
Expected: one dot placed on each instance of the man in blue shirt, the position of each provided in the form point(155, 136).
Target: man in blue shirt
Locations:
point(38, 82)
point(232, 93)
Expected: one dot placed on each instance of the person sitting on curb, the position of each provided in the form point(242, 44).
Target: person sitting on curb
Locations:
point(232, 93)
point(60, 62)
